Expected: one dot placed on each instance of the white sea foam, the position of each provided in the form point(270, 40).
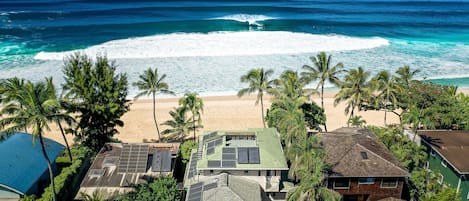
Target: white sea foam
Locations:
point(250, 19)
point(222, 44)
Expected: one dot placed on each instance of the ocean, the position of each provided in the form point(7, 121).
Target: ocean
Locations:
point(205, 46)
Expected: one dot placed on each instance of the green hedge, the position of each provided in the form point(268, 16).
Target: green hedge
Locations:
point(67, 182)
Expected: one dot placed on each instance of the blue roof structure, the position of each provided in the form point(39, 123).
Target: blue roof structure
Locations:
point(22, 163)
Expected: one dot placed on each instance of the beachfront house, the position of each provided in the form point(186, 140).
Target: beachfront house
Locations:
point(448, 153)
point(117, 166)
point(362, 168)
point(23, 168)
point(244, 165)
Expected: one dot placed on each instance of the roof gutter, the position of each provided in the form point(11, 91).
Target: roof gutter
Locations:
point(11, 189)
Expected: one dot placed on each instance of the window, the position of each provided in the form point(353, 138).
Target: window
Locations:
point(432, 152)
point(426, 165)
point(342, 183)
point(467, 196)
point(368, 180)
point(440, 178)
point(443, 163)
point(389, 183)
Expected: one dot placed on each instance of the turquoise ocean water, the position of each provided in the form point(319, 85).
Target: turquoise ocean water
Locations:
point(205, 46)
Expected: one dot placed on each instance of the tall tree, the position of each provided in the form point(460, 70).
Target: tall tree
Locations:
point(289, 119)
point(290, 85)
point(32, 106)
point(323, 71)
point(405, 75)
point(64, 117)
point(389, 91)
point(259, 81)
point(151, 83)
point(355, 89)
point(180, 125)
point(195, 105)
point(97, 94)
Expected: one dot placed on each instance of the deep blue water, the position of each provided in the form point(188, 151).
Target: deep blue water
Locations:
point(429, 35)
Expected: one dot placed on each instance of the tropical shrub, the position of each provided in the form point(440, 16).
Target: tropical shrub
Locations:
point(162, 189)
point(186, 149)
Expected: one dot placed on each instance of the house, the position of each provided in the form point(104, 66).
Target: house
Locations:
point(249, 164)
point(448, 153)
point(117, 166)
point(23, 168)
point(362, 168)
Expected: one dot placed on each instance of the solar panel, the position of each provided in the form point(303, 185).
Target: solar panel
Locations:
point(228, 150)
point(210, 186)
point(210, 144)
point(364, 155)
point(133, 158)
point(195, 192)
point(213, 164)
point(193, 165)
point(228, 164)
point(243, 157)
point(161, 161)
point(218, 141)
point(210, 151)
point(209, 136)
point(254, 155)
point(228, 157)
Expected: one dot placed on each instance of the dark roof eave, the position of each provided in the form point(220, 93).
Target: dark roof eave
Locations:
point(444, 158)
point(11, 189)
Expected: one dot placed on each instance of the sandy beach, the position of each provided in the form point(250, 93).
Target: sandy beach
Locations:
point(220, 113)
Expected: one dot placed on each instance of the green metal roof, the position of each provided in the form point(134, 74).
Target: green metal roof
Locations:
point(267, 140)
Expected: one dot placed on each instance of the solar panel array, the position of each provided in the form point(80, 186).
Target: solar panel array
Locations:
point(161, 161)
point(193, 165)
point(133, 158)
point(212, 144)
point(195, 192)
point(209, 136)
point(222, 163)
point(248, 155)
point(228, 153)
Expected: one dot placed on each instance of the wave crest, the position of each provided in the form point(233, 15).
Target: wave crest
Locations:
point(246, 18)
point(222, 44)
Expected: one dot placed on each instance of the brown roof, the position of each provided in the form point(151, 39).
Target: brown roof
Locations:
point(452, 145)
point(391, 199)
point(356, 152)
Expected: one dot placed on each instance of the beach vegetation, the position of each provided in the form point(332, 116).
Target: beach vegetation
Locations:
point(356, 89)
point(259, 82)
point(389, 91)
point(179, 126)
point(162, 189)
point(357, 121)
point(96, 93)
point(152, 83)
point(313, 115)
point(34, 106)
point(185, 150)
point(323, 71)
point(195, 105)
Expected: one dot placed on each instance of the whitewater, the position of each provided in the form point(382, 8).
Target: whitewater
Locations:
point(221, 44)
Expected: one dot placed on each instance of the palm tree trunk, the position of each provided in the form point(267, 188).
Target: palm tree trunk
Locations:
point(385, 112)
point(322, 105)
point(262, 109)
point(154, 117)
point(49, 166)
point(193, 120)
point(66, 142)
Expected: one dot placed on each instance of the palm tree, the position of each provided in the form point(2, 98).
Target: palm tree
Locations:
point(259, 81)
point(405, 75)
point(356, 121)
point(151, 83)
point(324, 71)
point(389, 91)
point(65, 117)
point(32, 106)
point(291, 85)
point(290, 119)
point(312, 186)
point(195, 105)
point(302, 155)
point(180, 125)
point(9, 89)
point(355, 89)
